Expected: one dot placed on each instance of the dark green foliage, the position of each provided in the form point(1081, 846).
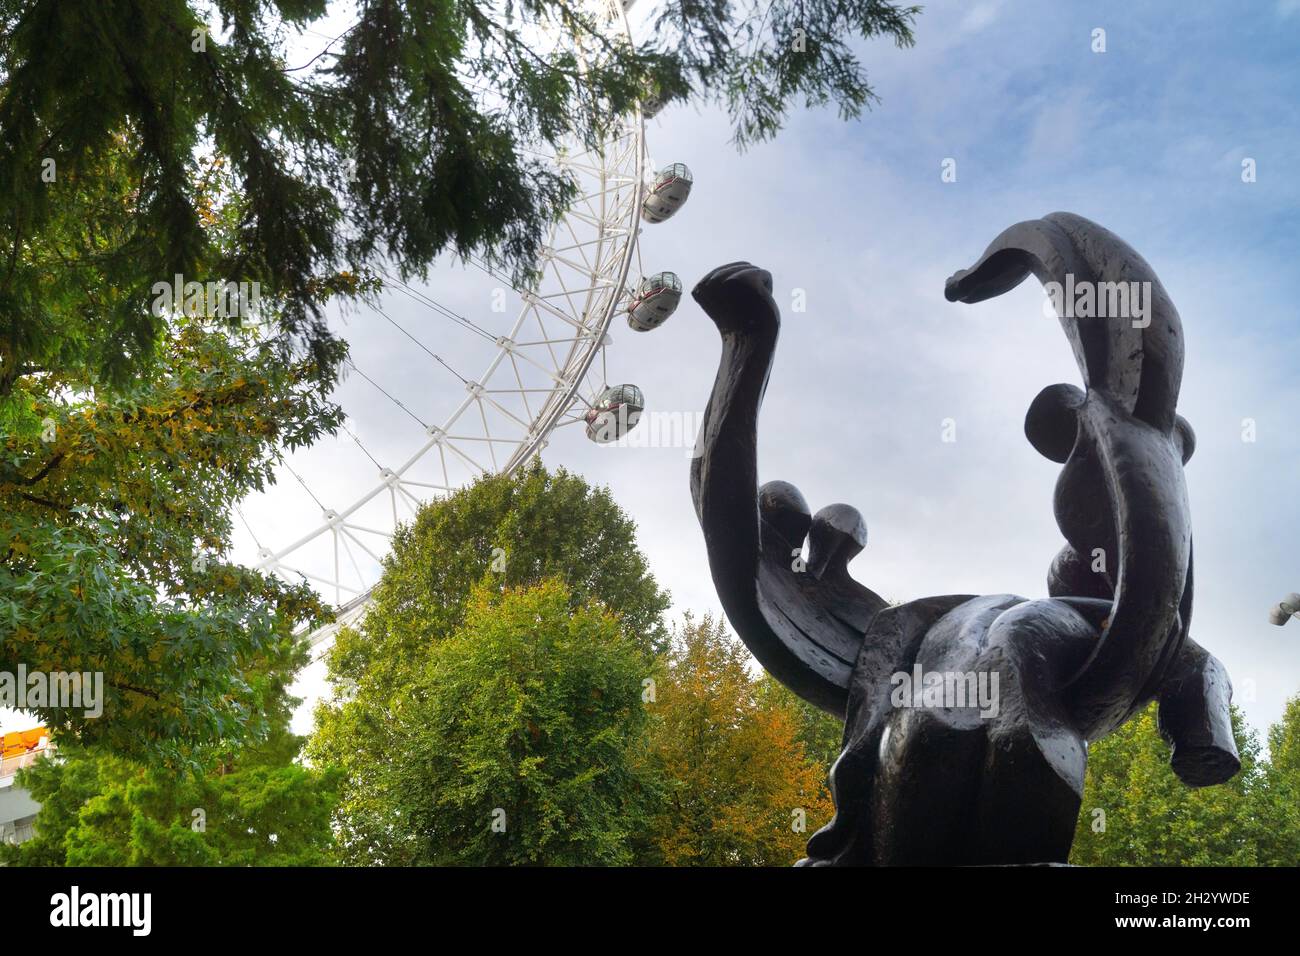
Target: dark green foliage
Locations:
point(500, 533)
point(1137, 813)
point(409, 135)
point(518, 739)
point(98, 809)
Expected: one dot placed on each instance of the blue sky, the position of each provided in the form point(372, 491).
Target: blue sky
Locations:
point(1146, 138)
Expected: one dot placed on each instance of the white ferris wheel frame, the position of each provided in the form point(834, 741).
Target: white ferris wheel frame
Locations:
point(583, 274)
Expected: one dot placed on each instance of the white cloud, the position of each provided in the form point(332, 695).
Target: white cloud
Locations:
point(981, 15)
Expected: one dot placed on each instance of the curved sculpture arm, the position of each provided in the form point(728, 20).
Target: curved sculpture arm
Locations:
point(1195, 718)
point(1122, 489)
point(1143, 480)
point(1136, 359)
point(804, 624)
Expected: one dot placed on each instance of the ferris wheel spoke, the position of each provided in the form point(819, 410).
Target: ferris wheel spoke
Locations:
point(341, 537)
point(522, 391)
point(565, 293)
point(554, 374)
point(541, 324)
point(411, 502)
point(305, 488)
point(589, 218)
point(485, 439)
point(251, 533)
point(597, 285)
point(614, 189)
point(581, 244)
point(484, 397)
point(352, 526)
point(568, 341)
point(362, 545)
point(383, 391)
point(577, 267)
point(442, 458)
point(428, 351)
point(515, 391)
point(442, 489)
point(585, 167)
point(465, 457)
point(434, 306)
point(337, 585)
point(555, 352)
point(492, 452)
point(537, 302)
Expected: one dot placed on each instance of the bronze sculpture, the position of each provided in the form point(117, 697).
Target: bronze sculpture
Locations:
point(929, 778)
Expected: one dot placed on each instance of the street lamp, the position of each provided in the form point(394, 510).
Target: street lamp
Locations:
point(1290, 607)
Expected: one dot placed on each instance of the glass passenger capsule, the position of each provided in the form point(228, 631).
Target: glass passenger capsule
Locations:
point(655, 299)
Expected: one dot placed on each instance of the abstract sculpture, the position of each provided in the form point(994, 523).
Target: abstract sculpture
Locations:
point(925, 776)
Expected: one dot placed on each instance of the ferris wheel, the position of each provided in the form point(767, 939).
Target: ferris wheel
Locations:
point(546, 369)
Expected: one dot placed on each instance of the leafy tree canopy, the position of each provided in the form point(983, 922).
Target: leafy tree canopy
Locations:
point(257, 809)
point(115, 517)
point(113, 535)
point(502, 532)
point(742, 790)
point(1137, 813)
point(410, 134)
point(516, 742)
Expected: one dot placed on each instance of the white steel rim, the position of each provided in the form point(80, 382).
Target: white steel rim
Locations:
point(560, 333)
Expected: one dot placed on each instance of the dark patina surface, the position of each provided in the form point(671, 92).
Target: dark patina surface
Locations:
point(947, 784)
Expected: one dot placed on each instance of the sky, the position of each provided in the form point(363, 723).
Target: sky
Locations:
point(855, 221)
point(1147, 139)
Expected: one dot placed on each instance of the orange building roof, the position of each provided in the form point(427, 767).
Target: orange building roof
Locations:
point(21, 742)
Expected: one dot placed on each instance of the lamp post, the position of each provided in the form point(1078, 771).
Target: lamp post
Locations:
point(1288, 608)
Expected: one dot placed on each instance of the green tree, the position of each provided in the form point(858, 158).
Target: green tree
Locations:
point(517, 743)
point(256, 808)
point(821, 734)
point(1284, 740)
point(116, 499)
point(408, 135)
point(501, 532)
point(137, 143)
point(1152, 819)
point(1277, 794)
point(115, 520)
point(741, 788)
